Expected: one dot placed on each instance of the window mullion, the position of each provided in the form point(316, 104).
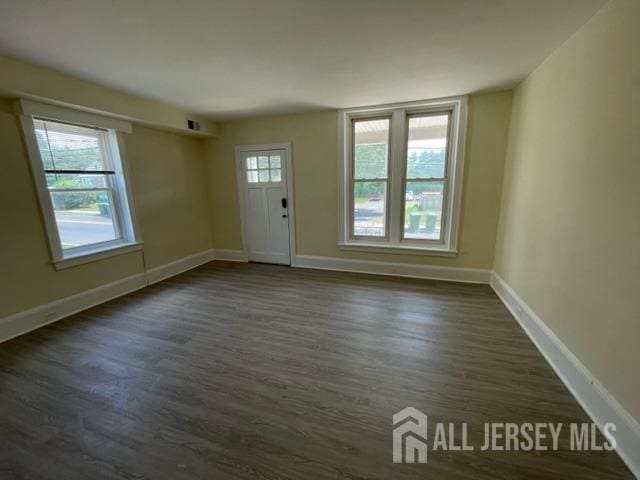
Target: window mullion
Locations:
point(396, 175)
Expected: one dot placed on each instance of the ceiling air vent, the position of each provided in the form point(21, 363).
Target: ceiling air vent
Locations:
point(193, 125)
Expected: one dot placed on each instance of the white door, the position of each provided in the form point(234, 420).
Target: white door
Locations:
point(265, 215)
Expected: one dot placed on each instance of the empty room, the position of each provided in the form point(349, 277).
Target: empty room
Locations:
point(319, 239)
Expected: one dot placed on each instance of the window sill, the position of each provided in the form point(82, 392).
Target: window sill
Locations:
point(398, 249)
point(100, 253)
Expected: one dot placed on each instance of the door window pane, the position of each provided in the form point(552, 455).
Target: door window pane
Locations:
point(276, 175)
point(84, 217)
point(369, 208)
point(252, 176)
point(263, 162)
point(370, 148)
point(274, 161)
point(427, 146)
point(264, 169)
point(423, 210)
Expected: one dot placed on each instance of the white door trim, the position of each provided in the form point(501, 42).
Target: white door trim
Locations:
point(286, 146)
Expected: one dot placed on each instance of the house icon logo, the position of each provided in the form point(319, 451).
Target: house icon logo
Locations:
point(409, 436)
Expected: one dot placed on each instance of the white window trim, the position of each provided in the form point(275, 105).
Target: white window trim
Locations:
point(452, 206)
point(130, 241)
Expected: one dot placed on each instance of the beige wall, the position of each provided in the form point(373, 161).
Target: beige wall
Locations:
point(170, 192)
point(314, 143)
point(170, 189)
point(23, 80)
point(569, 232)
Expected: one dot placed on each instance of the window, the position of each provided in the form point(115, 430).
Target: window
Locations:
point(82, 189)
point(264, 169)
point(425, 176)
point(401, 174)
point(370, 177)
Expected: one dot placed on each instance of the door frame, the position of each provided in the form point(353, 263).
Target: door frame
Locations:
point(240, 150)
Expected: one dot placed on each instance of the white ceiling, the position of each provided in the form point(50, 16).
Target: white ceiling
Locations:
point(235, 58)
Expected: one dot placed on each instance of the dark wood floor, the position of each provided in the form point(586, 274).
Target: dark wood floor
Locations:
point(245, 371)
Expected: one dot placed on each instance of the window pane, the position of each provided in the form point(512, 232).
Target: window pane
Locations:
point(83, 218)
point(274, 161)
point(276, 175)
point(427, 146)
point(252, 163)
point(76, 181)
point(252, 176)
point(423, 210)
point(263, 162)
point(371, 148)
point(263, 175)
point(369, 208)
point(70, 147)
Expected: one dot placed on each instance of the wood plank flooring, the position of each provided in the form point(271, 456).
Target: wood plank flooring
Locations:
point(248, 371)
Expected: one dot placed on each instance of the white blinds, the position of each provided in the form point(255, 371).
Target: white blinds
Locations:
point(66, 148)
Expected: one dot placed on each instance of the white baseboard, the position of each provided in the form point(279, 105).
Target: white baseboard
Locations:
point(467, 275)
point(23, 322)
point(599, 404)
point(170, 269)
point(230, 255)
